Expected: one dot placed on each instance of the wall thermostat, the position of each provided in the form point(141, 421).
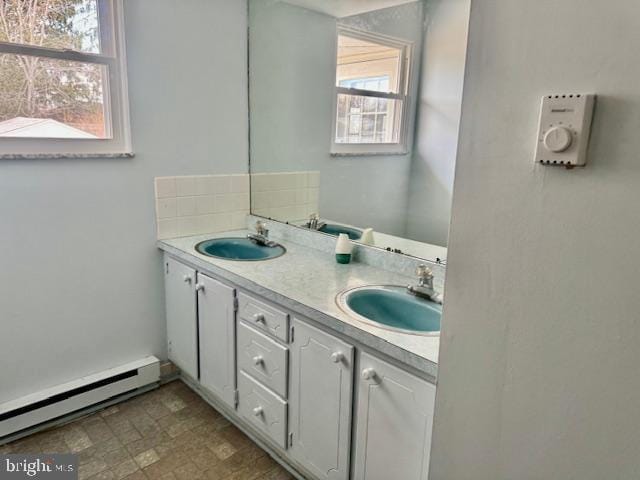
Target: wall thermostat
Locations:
point(565, 126)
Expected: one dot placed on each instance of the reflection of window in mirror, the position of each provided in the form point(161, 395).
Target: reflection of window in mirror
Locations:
point(371, 93)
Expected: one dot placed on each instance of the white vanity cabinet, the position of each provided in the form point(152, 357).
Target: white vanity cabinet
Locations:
point(217, 337)
point(394, 419)
point(180, 299)
point(201, 334)
point(320, 401)
point(292, 383)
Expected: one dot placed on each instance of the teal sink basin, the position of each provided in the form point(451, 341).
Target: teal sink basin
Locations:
point(239, 249)
point(333, 229)
point(391, 307)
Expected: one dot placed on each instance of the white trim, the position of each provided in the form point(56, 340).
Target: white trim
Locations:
point(117, 139)
point(404, 82)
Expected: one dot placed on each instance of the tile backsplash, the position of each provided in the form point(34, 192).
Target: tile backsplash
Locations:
point(193, 205)
point(285, 196)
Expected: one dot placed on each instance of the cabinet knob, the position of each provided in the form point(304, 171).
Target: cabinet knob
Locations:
point(337, 357)
point(199, 287)
point(258, 411)
point(258, 359)
point(187, 279)
point(258, 317)
point(368, 374)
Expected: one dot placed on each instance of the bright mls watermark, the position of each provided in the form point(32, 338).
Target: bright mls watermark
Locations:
point(43, 466)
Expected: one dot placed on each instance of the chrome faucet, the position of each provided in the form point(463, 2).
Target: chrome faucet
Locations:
point(261, 237)
point(424, 288)
point(314, 222)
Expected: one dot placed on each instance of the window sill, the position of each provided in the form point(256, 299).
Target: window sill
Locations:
point(26, 156)
point(368, 154)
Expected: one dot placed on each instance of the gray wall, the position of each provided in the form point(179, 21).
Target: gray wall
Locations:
point(438, 120)
point(81, 285)
point(538, 375)
point(292, 75)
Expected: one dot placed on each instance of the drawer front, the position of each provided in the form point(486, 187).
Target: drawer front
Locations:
point(262, 409)
point(263, 316)
point(263, 358)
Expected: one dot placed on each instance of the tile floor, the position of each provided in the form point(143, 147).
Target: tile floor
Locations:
point(168, 434)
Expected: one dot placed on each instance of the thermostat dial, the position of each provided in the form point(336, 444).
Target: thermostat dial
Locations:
point(558, 139)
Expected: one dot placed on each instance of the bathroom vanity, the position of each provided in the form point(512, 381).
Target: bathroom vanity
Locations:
point(265, 342)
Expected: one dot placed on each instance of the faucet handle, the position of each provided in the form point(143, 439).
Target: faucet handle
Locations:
point(260, 226)
point(424, 272)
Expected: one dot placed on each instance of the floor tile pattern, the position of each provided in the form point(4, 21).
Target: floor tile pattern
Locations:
point(167, 434)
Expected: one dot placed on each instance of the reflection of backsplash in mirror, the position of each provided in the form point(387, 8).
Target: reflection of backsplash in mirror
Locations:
point(285, 196)
point(371, 101)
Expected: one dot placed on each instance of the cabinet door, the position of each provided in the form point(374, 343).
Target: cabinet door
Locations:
point(320, 401)
point(217, 334)
point(393, 424)
point(182, 335)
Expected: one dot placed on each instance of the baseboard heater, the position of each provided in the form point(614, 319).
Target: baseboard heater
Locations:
point(54, 402)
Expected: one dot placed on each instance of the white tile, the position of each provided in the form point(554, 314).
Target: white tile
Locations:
point(301, 196)
point(221, 184)
point(283, 198)
point(301, 212)
point(186, 206)
point(205, 204)
point(314, 179)
point(222, 222)
point(166, 207)
point(223, 203)
point(261, 199)
point(188, 225)
point(165, 187)
point(168, 228)
point(262, 212)
point(240, 183)
point(281, 181)
point(314, 195)
point(278, 214)
point(185, 186)
point(206, 224)
point(239, 220)
point(301, 180)
point(259, 182)
point(240, 201)
point(204, 185)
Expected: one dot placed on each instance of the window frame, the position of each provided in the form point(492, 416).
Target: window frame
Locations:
point(117, 140)
point(404, 80)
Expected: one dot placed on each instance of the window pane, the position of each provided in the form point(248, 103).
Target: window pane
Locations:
point(59, 24)
point(368, 65)
point(367, 119)
point(47, 98)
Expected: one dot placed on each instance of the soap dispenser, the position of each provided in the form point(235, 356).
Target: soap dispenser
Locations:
point(343, 249)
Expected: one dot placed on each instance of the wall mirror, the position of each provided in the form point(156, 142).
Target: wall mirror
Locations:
point(354, 115)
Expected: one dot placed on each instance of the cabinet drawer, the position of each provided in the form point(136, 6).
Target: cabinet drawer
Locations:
point(262, 409)
point(263, 316)
point(263, 358)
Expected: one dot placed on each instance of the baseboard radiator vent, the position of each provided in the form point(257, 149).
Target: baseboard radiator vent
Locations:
point(55, 402)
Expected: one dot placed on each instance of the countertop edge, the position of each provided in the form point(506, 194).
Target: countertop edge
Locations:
point(421, 364)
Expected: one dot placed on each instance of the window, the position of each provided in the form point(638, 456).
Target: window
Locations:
point(62, 78)
point(371, 94)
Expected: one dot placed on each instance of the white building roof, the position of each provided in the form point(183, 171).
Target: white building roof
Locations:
point(40, 128)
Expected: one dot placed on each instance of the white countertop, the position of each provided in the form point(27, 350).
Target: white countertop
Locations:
point(307, 281)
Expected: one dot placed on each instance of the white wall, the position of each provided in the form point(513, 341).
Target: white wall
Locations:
point(436, 139)
point(540, 351)
point(292, 77)
point(81, 283)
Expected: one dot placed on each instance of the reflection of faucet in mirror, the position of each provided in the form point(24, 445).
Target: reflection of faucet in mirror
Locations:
point(424, 288)
point(314, 222)
point(261, 237)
